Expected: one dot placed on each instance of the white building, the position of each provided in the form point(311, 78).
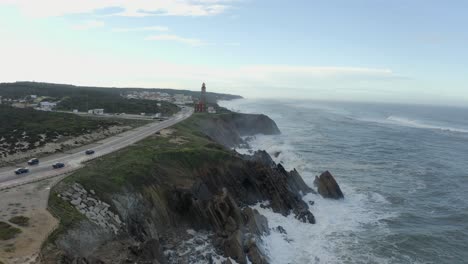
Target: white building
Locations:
point(182, 99)
point(97, 111)
point(47, 106)
point(211, 110)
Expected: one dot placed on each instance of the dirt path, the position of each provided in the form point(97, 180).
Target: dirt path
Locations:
point(29, 200)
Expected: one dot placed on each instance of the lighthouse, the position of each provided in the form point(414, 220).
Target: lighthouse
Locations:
point(201, 106)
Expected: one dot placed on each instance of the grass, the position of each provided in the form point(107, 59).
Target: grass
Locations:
point(8, 231)
point(143, 162)
point(19, 220)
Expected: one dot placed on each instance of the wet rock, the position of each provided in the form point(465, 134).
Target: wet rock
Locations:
point(327, 186)
point(281, 230)
point(254, 253)
point(255, 222)
point(261, 156)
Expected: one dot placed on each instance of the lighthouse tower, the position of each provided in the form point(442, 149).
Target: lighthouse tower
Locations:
point(201, 106)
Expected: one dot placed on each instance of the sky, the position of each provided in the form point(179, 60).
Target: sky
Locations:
point(407, 51)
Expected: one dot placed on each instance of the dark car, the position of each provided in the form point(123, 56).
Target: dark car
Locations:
point(21, 171)
point(89, 152)
point(58, 165)
point(33, 161)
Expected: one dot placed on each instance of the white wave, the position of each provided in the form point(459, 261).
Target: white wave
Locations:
point(334, 238)
point(402, 121)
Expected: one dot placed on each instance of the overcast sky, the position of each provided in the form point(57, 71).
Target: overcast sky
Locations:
point(365, 50)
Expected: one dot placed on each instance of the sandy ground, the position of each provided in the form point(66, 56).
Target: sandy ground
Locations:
point(29, 200)
point(62, 144)
point(167, 132)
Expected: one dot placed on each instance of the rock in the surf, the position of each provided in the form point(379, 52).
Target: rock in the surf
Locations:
point(327, 186)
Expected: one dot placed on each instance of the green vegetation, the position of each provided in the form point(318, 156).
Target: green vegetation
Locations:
point(37, 127)
point(114, 103)
point(19, 220)
point(34, 123)
point(7, 231)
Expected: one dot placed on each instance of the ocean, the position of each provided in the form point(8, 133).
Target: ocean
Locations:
point(403, 170)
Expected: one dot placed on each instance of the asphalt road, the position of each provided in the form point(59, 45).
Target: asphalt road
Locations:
point(74, 159)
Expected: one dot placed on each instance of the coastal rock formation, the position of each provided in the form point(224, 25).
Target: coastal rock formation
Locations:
point(90, 206)
point(327, 186)
point(190, 203)
point(228, 129)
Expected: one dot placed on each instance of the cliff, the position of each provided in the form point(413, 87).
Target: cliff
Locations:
point(228, 129)
point(177, 197)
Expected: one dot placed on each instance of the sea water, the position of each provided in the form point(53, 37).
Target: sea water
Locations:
point(403, 170)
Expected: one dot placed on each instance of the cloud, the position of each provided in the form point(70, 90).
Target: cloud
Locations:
point(141, 29)
point(88, 24)
point(134, 8)
point(168, 37)
point(26, 62)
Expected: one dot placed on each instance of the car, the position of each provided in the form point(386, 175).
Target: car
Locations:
point(89, 152)
point(21, 171)
point(33, 161)
point(58, 165)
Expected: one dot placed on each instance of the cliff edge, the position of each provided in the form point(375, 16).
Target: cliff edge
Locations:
point(179, 196)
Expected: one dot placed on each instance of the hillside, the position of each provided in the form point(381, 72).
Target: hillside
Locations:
point(24, 130)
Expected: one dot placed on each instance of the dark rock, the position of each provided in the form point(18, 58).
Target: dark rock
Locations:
point(295, 181)
point(306, 216)
point(311, 203)
point(228, 129)
point(254, 253)
point(261, 156)
point(327, 186)
point(232, 247)
point(255, 222)
point(281, 229)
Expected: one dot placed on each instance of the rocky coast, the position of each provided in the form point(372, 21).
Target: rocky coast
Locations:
point(182, 196)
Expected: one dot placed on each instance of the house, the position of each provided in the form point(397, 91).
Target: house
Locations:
point(98, 111)
point(47, 106)
point(211, 110)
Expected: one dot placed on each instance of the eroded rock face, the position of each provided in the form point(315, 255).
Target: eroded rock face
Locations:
point(227, 129)
point(211, 199)
point(237, 231)
point(327, 186)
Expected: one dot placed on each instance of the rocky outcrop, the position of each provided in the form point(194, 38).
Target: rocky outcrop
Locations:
point(190, 207)
point(327, 186)
point(90, 206)
point(228, 129)
point(260, 156)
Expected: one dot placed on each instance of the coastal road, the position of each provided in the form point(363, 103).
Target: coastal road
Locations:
point(74, 159)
